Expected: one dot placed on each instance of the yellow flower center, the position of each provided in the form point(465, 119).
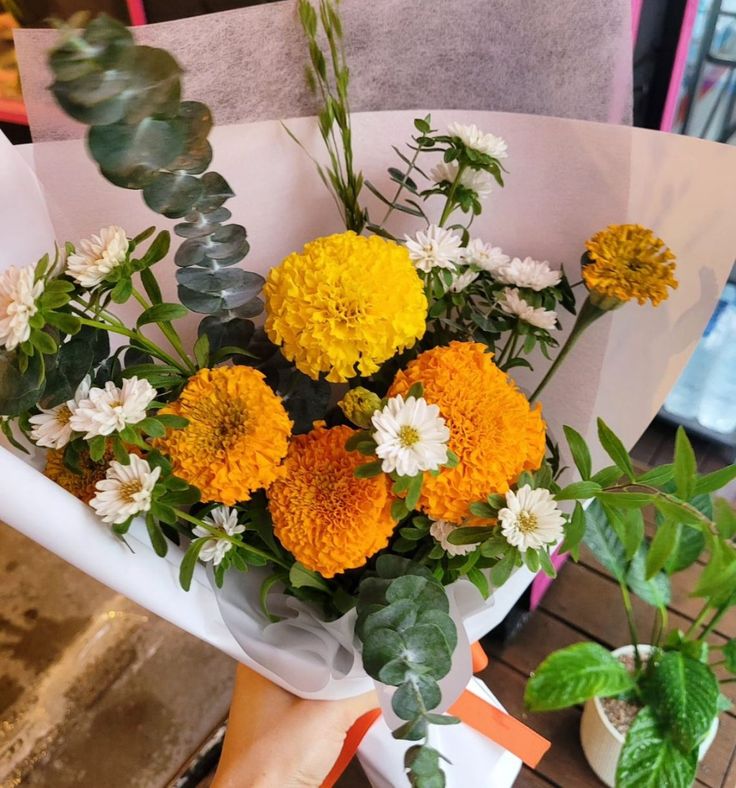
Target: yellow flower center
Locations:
point(63, 414)
point(408, 436)
point(527, 521)
point(128, 490)
point(218, 424)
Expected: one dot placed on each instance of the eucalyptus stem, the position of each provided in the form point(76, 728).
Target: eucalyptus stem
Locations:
point(450, 204)
point(587, 316)
point(168, 331)
point(220, 534)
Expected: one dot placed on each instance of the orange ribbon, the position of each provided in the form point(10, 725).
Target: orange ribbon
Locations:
point(499, 727)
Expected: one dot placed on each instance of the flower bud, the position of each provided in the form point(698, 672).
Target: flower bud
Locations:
point(359, 405)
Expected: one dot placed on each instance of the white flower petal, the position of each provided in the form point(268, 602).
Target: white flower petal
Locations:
point(513, 304)
point(18, 297)
point(126, 490)
point(434, 248)
point(111, 409)
point(534, 274)
point(96, 257)
point(440, 530)
point(472, 137)
point(531, 518)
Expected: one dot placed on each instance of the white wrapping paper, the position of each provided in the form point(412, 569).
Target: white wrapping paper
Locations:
point(567, 179)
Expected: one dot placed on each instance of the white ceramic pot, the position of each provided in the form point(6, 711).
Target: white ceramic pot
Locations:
point(602, 743)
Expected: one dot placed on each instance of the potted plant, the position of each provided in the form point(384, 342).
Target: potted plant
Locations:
point(651, 707)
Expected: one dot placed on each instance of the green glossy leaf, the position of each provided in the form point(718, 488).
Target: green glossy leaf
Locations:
point(607, 476)
point(656, 590)
point(629, 527)
point(162, 313)
point(470, 534)
point(686, 466)
point(658, 477)
point(711, 482)
point(575, 674)
point(650, 760)
point(578, 491)
point(725, 518)
point(383, 646)
point(368, 470)
point(729, 654)
point(301, 577)
point(683, 694)
point(158, 540)
point(189, 562)
point(690, 545)
point(615, 449)
point(501, 572)
point(574, 531)
point(627, 500)
point(677, 511)
point(662, 546)
point(602, 540)
point(580, 452)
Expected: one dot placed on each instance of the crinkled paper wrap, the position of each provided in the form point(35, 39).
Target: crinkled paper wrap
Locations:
point(566, 180)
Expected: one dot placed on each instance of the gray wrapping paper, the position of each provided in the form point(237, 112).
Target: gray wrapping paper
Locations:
point(563, 58)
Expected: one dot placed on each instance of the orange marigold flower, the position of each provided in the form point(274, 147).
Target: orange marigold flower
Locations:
point(493, 430)
point(237, 434)
point(80, 485)
point(325, 516)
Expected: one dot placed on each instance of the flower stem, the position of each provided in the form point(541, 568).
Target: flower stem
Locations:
point(450, 204)
point(220, 534)
point(587, 316)
point(168, 331)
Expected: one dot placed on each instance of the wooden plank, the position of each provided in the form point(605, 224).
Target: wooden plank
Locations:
point(564, 764)
point(531, 779)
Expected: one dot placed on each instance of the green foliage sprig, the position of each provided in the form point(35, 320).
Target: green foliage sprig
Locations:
point(408, 639)
point(675, 685)
point(144, 137)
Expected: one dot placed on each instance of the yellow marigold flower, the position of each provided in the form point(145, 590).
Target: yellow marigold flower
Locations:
point(327, 518)
point(359, 405)
point(628, 261)
point(80, 485)
point(237, 434)
point(344, 305)
point(493, 430)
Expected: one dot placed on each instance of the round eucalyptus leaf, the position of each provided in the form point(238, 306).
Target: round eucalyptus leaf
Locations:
point(154, 80)
point(199, 302)
point(427, 649)
point(191, 252)
point(96, 88)
point(252, 308)
point(196, 158)
point(224, 281)
point(121, 149)
point(216, 191)
point(227, 241)
point(105, 112)
point(415, 695)
point(172, 195)
point(226, 332)
point(199, 224)
point(383, 646)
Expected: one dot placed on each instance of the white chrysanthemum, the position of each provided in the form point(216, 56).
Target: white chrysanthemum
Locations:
point(478, 181)
point(534, 274)
point(531, 518)
point(226, 520)
point(126, 490)
point(472, 137)
point(109, 410)
point(18, 296)
point(440, 530)
point(461, 281)
point(434, 248)
point(97, 256)
point(410, 436)
point(52, 427)
point(513, 304)
point(486, 256)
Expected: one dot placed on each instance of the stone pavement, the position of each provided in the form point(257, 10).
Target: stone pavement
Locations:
point(95, 692)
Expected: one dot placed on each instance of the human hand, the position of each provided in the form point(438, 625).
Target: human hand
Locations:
point(276, 740)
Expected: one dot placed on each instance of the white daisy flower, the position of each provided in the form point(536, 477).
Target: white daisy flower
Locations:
point(97, 256)
point(478, 181)
point(125, 491)
point(109, 410)
point(461, 281)
point(513, 304)
point(18, 296)
point(410, 436)
point(440, 530)
point(531, 518)
point(534, 274)
point(226, 520)
point(472, 137)
point(486, 256)
point(52, 427)
point(434, 248)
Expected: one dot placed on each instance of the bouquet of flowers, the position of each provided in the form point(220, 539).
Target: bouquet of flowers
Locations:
point(364, 447)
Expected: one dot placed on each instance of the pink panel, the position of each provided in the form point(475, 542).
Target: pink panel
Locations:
point(635, 17)
point(678, 68)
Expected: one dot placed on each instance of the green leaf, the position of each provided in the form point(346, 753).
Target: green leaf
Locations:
point(545, 562)
point(158, 540)
point(575, 674)
point(658, 477)
point(417, 694)
point(607, 476)
point(423, 591)
point(66, 323)
point(729, 654)
point(690, 545)
point(479, 580)
point(43, 342)
point(627, 500)
point(171, 421)
point(470, 534)
point(383, 646)
point(501, 572)
point(686, 466)
point(656, 590)
point(368, 471)
point(162, 313)
point(189, 562)
point(202, 351)
point(602, 540)
point(650, 760)
point(122, 290)
point(719, 576)
point(711, 482)
point(301, 577)
point(150, 285)
point(427, 649)
point(615, 449)
point(580, 452)
point(678, 511)
point(412, 731)
point(414, 491)
point(574, 531)
point(662, 546)
point(578, 490)
point(416, 390)
point(96, 448)
point(629, 527)
point(683, 694)
point(152, 427)
point(483, 510)
point(725, 518)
